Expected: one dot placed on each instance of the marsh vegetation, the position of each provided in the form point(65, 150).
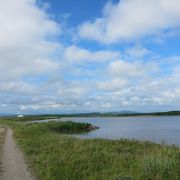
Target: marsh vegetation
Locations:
point(54, 155)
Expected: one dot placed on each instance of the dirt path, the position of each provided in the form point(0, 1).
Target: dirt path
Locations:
point(12, 164)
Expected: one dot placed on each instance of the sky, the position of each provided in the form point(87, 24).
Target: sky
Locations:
point(66, 56)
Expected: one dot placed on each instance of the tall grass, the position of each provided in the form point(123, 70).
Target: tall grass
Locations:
point(69, 127)
point(55, 156)
point(164, 164)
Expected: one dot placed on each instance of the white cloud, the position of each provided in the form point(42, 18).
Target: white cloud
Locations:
point(113, 84)
point(76, 55)
point(17, 88)
point(21, 22)
point(126, 69)
point(138, 52)
point(24, 48)
point(72, 90)
point(131, 20)
point(39, 74)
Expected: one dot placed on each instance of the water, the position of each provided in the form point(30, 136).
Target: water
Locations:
point(157, 129)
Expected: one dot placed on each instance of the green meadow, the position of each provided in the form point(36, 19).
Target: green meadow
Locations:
point(54, 154)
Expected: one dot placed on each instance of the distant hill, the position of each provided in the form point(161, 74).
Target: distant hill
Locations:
point(123, 112)
point(120, 114)
point(169, 113)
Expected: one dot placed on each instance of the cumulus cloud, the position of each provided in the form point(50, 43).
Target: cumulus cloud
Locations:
point(114, 84)
point(22, 22)
point(39, 74)
point(138, 52)
point(131, 20)
point(24, 47)
point(76, 54)
point(122, 68)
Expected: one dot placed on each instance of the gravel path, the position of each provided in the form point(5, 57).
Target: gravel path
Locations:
point(13, 165)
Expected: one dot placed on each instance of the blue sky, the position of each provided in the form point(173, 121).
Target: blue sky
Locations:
point(61, 56)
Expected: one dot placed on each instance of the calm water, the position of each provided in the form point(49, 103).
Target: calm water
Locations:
point(157, 129)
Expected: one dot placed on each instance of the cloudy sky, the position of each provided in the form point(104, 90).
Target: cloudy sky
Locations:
point(88, 55)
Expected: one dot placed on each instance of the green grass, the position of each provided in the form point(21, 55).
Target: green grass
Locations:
point(29, 118)
point(55, 156)
point(69, 127)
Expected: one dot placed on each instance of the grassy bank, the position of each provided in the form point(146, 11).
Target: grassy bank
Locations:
point(55, 156)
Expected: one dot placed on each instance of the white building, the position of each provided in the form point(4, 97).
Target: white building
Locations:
point(20, 115)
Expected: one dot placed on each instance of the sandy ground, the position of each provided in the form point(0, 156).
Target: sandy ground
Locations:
point(12, 163)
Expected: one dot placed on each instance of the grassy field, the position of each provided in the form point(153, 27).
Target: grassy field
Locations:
point(55, 156)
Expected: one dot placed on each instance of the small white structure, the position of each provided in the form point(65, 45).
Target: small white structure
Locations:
point(20, 115)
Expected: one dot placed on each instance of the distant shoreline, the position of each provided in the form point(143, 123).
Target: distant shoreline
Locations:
point(95, 114)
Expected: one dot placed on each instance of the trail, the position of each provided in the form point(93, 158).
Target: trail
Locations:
point(12, 163)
